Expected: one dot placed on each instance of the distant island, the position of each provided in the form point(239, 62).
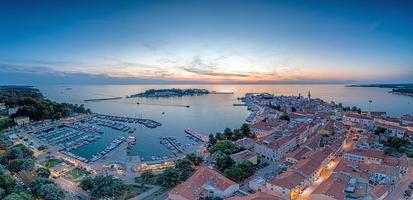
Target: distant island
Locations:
point(402, 89)
point(402, 85)
point(171, 93)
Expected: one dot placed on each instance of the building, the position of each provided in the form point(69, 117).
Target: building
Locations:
point(379, 192)
point(367, 156)
point(255, 196)
point(407, 120)
point(11, 111)
point(267, 126)
point(2, 106)
point(257, 184)
point(273, 148)
point(245, 155)
point(205, 182)
point(392, 130)
point(354, 119)
point(245, 143)
point(298, 154)
point(22, 120)
point(331, 189)
point(286, 185)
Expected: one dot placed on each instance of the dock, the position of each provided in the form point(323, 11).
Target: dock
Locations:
point(239, 104)
point(103, 99)
point(173, 144)
point(197, 135)
point(158, 104)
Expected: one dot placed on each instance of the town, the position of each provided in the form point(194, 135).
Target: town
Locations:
point(293, 147)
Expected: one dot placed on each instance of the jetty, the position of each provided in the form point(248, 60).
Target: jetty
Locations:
point(197, 135)
point(158, 104)
point(239, 104)
point(102, 99)
point(172, 142)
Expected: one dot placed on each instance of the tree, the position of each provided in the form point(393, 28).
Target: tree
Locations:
point(19, 196)
point(240, 171)
point(168, 178)
point(7, 183)
point(293, 109)
point(86, 183)
point(43, 172)
point(38, 183)
point(285, 117)
point(228, 133)
point(379, 130)
point(184, 169)
point(51, 191)
point(234, 173)
point(19, 151)
point(212, 139)
point(42, 148)
point(197, 160)
point(245, 130)
point(107, 186)
point(219, 136)
point(222, 161)
point(148, 177)
point(21, 164)
point(224, 146)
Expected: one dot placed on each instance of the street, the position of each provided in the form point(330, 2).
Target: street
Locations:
point(398, 193)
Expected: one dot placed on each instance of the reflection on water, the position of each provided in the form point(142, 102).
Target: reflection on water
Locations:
point(209, 113)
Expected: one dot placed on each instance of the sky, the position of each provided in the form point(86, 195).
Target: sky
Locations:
point(251, 41)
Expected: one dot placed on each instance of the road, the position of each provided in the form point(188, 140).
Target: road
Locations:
point(398, 193)
point(71, 188)
point(324, 175)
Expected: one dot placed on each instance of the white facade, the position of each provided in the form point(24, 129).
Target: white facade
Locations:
point(274, 154)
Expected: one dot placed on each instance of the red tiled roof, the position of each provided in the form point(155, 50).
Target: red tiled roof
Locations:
point(367, 153)
point(333, 186)
point(287, 179)
point(256, 196)
point(193, 187)
point(378, 191)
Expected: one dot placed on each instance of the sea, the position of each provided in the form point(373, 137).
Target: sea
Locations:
point(208, 113)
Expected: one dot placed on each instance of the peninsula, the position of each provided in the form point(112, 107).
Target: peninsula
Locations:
point(174, 92)
point(401, 89)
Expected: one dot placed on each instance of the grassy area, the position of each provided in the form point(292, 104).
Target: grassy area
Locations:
point(75, 174)
point(134, 190)
point(51, 163)
point(156, 194)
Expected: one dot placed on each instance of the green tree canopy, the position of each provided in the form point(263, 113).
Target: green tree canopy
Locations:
point(168, 178)
point(224, 146)
point(43, 172)
point(107, 186)
point(197, 160)
point(19, 196)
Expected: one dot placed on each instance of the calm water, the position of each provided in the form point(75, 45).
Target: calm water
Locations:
point(210, 113)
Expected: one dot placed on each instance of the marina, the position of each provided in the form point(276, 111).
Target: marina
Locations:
point(71, 136)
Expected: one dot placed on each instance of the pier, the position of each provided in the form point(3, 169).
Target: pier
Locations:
point(156, 104)
point(102, 99)
point(173, 143)
point(197, 135)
